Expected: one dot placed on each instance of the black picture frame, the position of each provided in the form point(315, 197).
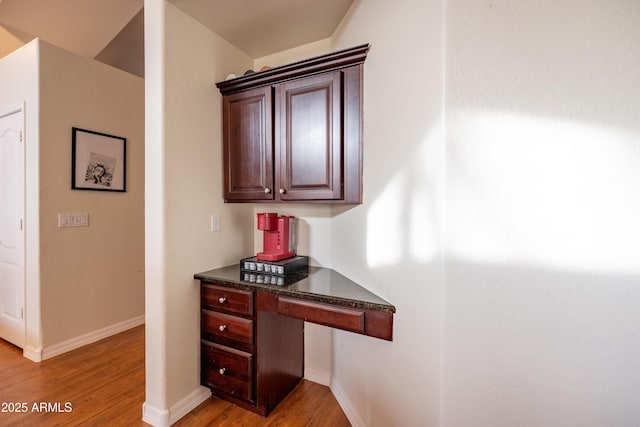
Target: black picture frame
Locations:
point(98, 161)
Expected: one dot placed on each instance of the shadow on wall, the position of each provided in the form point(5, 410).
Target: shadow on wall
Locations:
point(19, 35)
point(392, 245)
point(531, 346)
point(403, 221)
point(542, 272)
point(12, 39)
point(541, 240)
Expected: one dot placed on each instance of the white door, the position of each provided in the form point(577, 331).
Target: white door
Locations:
point(12, 277)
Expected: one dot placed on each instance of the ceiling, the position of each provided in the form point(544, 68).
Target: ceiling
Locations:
point(263, 27)
point(81, 26)
point(257, 27)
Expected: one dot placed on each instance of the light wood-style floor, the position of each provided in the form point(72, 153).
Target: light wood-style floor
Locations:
point(102, 384)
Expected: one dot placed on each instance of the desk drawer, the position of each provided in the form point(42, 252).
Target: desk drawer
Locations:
point(349, 319)
point(227, 299)
point(227, 327)
point(227, 370)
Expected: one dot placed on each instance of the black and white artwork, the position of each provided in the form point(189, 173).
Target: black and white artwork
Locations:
point(98, 161)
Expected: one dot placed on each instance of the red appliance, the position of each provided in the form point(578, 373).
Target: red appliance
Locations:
point(279, 236)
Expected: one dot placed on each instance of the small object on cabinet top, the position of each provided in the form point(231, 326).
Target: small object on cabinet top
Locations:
point(282, 268)
point(327, 62)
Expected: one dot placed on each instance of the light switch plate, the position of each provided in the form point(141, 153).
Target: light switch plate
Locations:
point(80, 219)
point(215, 222)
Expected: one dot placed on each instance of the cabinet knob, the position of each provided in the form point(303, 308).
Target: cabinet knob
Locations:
point(222, 300)
point(222, 328)
point(267, 190)
point(222, 371)
point(282, 191)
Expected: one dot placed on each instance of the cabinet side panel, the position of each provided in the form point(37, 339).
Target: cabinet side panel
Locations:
point(352, 130)
point(280, 352)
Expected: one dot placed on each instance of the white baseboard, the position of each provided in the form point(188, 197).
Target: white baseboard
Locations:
point(349, 410)
point(33, 354)
point(165, 417)
point(317, 376)
point(91, 337)
point(154, 416)
point(188, 403)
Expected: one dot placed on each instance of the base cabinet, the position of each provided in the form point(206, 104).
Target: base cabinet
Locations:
point(250, 355)
point(253, 333)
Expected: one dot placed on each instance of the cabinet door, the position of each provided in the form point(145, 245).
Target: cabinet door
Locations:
point(309, 138)
point(248, 145)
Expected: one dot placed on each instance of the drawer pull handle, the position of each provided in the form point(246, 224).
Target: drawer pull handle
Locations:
point(222, 328)
point(222, 371)
point(222, 300)
point(282, 191)
point(267, 190)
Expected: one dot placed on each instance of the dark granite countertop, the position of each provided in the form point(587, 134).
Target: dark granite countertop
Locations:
point(315, 284)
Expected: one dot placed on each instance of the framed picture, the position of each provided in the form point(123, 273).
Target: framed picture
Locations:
point(97, 161)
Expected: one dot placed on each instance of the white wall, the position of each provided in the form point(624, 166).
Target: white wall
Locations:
point(184, 187)
point(295, 54)
point(80, 283)
point(514, 274)
point(391, 243)
point(91, 277)
point(543, 278)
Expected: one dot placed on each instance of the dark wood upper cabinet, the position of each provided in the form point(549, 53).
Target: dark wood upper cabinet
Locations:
point(309, 138)
point(294, 133)
point(248, 145)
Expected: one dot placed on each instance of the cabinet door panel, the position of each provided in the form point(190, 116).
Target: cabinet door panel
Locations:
point(248, 152)
point(309, 140)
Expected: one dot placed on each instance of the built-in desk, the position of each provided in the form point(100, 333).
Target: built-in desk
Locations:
point(252, 332)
